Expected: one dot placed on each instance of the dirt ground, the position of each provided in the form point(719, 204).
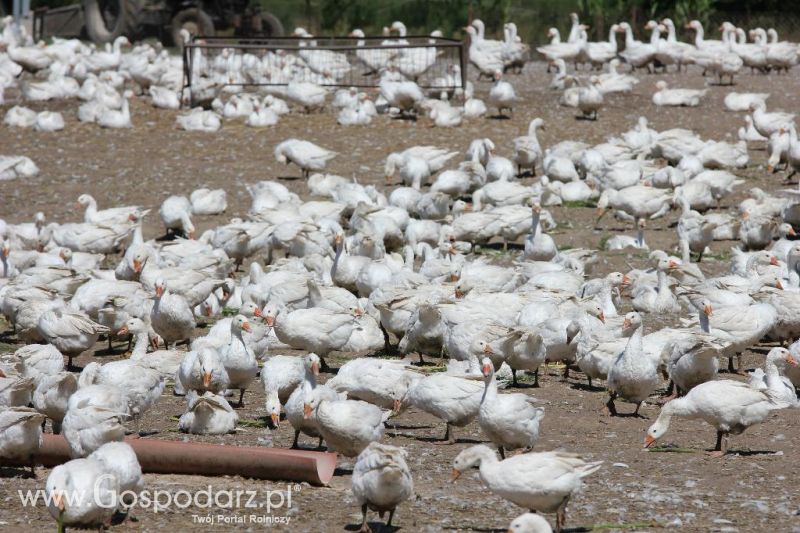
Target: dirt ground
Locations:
point(751, 490)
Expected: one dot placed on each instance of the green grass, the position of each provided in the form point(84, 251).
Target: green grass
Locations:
point(603, 241)
point(580, 203)
point(671, 449)
point(250, 423)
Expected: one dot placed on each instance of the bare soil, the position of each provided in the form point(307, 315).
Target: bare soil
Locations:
point(752, 489)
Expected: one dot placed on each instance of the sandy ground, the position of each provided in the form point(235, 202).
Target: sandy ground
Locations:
point(751, 490)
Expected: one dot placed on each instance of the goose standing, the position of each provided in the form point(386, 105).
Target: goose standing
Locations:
point(729, 406)
point(348, 426)
point(527, 151)
point(69, 331)
point(171, 316)
point(306, 155)
point(509, 420)
point(542, 482)
point(238, 360)
point(20, 433)
point(381, 480)
point(502, 95)
point(634, 374)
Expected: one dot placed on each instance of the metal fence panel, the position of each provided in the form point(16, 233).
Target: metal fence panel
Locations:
point(434, 63)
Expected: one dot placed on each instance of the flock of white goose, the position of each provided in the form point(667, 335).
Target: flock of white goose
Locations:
point(357, 269)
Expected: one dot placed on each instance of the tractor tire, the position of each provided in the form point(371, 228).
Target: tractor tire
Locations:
point(270, 26)
point(195, 20)
point(126, 21)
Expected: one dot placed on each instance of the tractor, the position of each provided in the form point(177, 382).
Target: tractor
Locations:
point(105, 20)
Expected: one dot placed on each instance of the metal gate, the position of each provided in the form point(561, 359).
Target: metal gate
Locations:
point(435, 63)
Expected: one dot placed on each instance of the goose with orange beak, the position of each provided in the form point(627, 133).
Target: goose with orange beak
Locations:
point(509, 420)
point(729, 406)
point(77, 490)
point(634, 374)
point(202, 371)
point(299, 411)
point(737, 327)
point(238, 359)
point(280, 376)
point(540, 482)
point(171, 316)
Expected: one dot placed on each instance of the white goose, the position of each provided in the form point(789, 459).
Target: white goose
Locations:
point(208, 414)
point(542, 482)
point(306, 155)
point(634, 374)
point(348, 426)
point(510, 421)
point(381, 480)
point(20, 433)
point(238, 360)
point(730, 406)
point(453, 399)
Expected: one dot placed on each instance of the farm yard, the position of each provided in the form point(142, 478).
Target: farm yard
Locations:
point(482, 294)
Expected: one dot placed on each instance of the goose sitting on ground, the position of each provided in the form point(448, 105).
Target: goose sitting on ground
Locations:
point(529, 523)
point(208, 201)
point(620, 242)
point(730, 406)
point(199, 119)
point(208, 414)
point(542, 482)
point(381, 480)
point(677, 97)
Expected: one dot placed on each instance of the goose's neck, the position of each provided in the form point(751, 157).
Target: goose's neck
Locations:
point(685, 255)
point(629, 37)
point(339, 251)
point(640, 237)
point(705, 323)
point(490, 390)
point(138, 238)
point(140, 345)
point(698, 37)
point(607, 303)
point(612, 37)
point(772, 374)
point(535, 228)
